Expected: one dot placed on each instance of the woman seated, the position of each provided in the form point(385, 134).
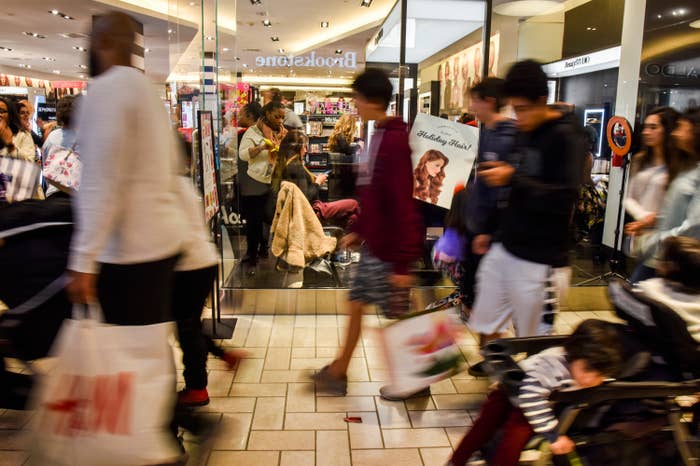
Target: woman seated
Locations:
point(290, 167)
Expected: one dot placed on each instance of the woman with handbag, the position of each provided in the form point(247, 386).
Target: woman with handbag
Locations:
point(258, 149)
point(64, 136)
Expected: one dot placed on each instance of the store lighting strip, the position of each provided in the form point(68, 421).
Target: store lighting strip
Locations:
point(297, 80)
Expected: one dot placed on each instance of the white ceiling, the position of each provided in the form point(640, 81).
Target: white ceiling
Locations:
point(297, 24)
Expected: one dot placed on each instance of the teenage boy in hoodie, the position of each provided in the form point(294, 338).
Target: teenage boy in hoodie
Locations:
point(388, 227)
point(515, 280)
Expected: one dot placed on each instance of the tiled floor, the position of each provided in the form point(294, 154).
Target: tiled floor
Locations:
point(271, 415)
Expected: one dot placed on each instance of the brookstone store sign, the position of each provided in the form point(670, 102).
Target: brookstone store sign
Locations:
point(349, 60)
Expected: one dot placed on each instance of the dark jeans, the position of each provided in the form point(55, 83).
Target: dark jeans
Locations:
point(189, 294)
point(137, 294)
point(253, 209)
point(467, 285)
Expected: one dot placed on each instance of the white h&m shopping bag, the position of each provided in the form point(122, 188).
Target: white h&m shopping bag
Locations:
point(421, 349)
point(109, 398)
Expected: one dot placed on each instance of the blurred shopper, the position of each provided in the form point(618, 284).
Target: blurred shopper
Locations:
point(484, 203)
point(389, 223)
point(516, 278)
point(290, 167)
point(680, 213)
point(258, 149)
point(26, 110)
point(129, 226)
point(63, 136)
point(649, 176)
point(15, 141)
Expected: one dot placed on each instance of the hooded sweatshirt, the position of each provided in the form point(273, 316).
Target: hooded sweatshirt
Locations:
point(549, 168)
point(389, 221)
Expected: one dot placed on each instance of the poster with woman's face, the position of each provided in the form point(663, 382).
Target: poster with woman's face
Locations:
point(443, 153)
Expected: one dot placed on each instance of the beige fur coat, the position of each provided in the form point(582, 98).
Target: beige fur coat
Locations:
point(298, 234)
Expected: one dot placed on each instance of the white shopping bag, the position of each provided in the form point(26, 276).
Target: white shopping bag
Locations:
point(109, 398)
point(421, 349)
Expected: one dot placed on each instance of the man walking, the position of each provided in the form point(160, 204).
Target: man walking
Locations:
point(515, 281)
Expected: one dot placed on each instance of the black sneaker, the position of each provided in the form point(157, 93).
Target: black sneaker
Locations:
point(326, 382)
point(388, 396)
point(477, 370)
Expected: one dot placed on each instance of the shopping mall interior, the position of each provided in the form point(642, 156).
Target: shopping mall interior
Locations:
point(208, 59)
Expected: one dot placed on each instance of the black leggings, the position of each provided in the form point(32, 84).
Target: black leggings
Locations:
point(253, 208)
point(189, 294)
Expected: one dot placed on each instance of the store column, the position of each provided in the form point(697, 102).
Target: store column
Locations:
point(625, 104)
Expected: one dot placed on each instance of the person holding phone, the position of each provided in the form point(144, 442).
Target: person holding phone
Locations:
point(290, 167)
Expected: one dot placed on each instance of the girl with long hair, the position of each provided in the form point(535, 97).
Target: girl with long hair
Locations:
point(15, 141)
point(343, 134)
point(429, 176)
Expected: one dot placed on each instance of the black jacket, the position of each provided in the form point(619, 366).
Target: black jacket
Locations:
point(549, 165)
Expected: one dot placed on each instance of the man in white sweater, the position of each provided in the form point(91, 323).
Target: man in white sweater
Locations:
point(129, 228)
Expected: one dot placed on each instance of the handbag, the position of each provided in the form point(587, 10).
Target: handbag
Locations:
point(63, 168)
point(19, 179)
point(421, 349)
point(108, 399)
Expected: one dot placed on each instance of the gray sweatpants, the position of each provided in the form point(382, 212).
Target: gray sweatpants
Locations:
point(512, 289)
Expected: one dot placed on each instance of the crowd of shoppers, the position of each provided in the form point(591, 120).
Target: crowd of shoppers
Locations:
point(141, 228)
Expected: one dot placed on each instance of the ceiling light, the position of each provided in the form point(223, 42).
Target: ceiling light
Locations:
point(255, 2)
point(82, 67)
point(225, 49)
point(210, 37)
point(79, 48)
point(659, 16)
point(48, 58)
point(56, 72)
point(34, 34)
point(55, 12)
point(281, 50)
point(82, 76)
point(338, 52)
point(324, 24)
point(528, 7)
point(695, 24)
point(146, 50)
point(193, 3)
point(275, 39)
point(68, 17)
point(267, 23)
point(366, 3)
point(22, 65)
point(170, 31)
point(5, 49)
point(237, 58)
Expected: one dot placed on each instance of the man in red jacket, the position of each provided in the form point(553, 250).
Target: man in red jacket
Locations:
point(388, 228)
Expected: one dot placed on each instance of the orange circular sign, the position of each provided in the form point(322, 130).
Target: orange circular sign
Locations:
point(619, 135)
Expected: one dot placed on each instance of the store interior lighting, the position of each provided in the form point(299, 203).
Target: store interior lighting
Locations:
point(366, 3)
point(524, 8)
point(695, 24)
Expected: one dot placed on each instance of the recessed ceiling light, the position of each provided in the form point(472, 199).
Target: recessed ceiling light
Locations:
point(275, 39)
point(338, 52)
point(79, 48)
point(193, 3)
point(34, 34)
point(695, 24)
point(237, 58)
point(56, 72)
point(225, 49)
point(55, 12)
point(210, 37)
point(146, 50)
point(324, 24)
point(68, 17)
point(267, 23)
point(5, 49)
point(22, 65)
point(82, 67)
point(366, 3)
point(245, 65)
point(281, 50)
point(255, 2)
point(48, 58)
point(82, 76)
point(659, 16)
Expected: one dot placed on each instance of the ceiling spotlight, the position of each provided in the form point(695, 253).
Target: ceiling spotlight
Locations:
point(34, 34)
point(193, 3)
point(82, 76)
point(281, 50)
point(82, 67)
point(366, 3)
point(237, 58)
point(225, 49)
point(255, 2)
point(56, 72)
point(146, 50)
point(170, 31)
point(338, 52)
point(267, 23)
point(55, 12)
point(275, 39)
point(5, 49)
point(659, 16)
point(79, 48)
point(245, 65)
point(324, 24)
point(48, 58)
point(22, 65)
point(68, 17)
point(210, 37)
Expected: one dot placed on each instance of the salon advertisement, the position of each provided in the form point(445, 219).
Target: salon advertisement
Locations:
point(443, 155)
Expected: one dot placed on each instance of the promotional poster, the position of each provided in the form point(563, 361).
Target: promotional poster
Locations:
point(443, 155)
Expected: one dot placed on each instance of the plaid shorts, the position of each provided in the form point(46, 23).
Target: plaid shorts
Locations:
point(371, 285)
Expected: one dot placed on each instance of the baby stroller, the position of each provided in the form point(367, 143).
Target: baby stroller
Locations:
point(636, 419)
point(34, 242)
